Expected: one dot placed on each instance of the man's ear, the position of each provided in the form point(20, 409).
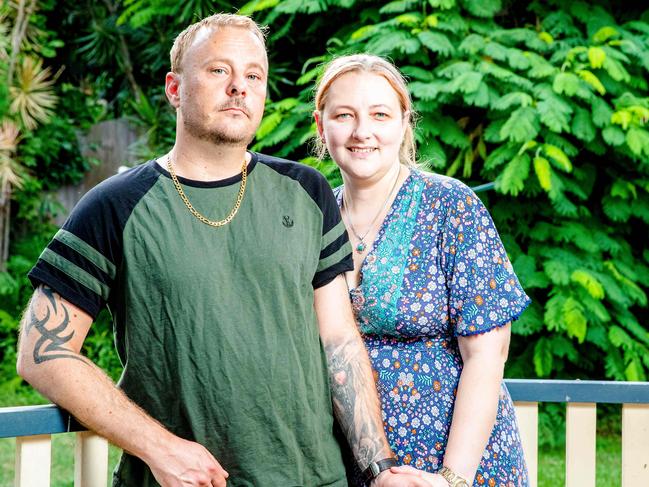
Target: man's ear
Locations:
point(172, 88)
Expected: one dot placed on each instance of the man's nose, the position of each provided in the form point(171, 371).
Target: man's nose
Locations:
point(238, 86)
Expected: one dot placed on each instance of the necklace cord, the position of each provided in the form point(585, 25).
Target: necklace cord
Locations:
point(362, 245)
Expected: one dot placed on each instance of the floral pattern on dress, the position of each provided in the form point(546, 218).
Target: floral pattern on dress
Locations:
point(437, 270)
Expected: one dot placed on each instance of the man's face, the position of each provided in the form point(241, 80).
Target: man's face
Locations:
point(222, 87)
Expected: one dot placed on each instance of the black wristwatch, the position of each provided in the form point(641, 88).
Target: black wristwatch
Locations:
point(375, 468)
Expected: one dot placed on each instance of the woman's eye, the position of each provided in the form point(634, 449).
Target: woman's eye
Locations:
point(218, 71)
point(343, 116)
point(254, 77)
point(381, 115)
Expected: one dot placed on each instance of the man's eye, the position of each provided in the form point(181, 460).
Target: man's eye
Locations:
point(254, 77)
point(218, 71)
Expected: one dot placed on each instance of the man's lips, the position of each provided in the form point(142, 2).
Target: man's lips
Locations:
point(235, 109)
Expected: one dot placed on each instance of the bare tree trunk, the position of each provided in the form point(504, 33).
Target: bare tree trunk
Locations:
point(5, 217)
point(18, 34)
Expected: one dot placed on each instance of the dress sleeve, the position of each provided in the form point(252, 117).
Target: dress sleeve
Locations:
point(335, 249)
point(484, 292)
point(81, 261)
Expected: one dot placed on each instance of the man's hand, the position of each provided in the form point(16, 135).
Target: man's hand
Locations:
point(185, 464)
point(406, 478)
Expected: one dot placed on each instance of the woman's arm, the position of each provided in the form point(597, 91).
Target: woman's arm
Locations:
point(476, 404)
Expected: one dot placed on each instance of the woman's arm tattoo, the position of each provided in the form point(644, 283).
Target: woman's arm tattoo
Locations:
point(355, 400)
point(53, 328)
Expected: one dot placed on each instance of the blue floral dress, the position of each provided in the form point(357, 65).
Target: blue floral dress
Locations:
point(438, 270)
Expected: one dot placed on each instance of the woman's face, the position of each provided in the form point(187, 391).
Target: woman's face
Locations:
point(362, 125)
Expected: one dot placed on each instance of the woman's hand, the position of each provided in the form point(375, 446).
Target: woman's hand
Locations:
point(433, 479)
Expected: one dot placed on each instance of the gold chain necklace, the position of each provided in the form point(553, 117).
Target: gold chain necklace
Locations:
point(360, 248)
point(207, 221)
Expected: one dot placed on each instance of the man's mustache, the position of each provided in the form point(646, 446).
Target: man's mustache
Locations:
point(235, 103)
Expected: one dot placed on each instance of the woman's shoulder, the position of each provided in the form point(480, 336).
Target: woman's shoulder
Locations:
point(444, 188)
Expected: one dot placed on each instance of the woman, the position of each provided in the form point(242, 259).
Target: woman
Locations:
point(432, 288)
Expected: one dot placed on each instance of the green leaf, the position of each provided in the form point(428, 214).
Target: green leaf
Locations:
point(616, 209)
point(567, 83)
point(466, 83)
point(472, 44)
point(596, 57)
point(543, 359)
point(482, 8)
point(516, 98)
point(604, 34)
point(592, 80)
point(512, 179)
point(540, 68)
point(500, 155)
point(432, 153)
point(480, 97)
point(555, 113)
point(589, 282)
point(576, 324)
point(582, 125)
point(398, 6)
point(496, 51)
point(425, 91)
point(615, 70)
point(613, 136)
point(543, 172)
point(268, 124)
point(443, 4)
point(517, 59)
point(601, 112)
point(522, 125)
point(437, 42)
point(558, 156)
point(529, 322)
point(418, 73)
point(634, 371)
point(638, 141)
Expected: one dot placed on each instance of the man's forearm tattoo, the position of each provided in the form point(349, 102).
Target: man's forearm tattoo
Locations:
point(355, 403)
point(52, 336)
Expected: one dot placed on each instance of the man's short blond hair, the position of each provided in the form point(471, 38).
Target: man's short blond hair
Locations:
point(216, 21)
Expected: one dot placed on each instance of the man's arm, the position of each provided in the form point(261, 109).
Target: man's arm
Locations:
point(353, 389)
point(52, 333)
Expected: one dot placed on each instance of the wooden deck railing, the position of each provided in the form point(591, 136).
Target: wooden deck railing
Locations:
point(32, 426)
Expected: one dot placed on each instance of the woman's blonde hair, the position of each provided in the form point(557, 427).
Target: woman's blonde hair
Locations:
point(368, 63)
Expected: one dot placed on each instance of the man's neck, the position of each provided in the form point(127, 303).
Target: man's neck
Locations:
point(205, 161)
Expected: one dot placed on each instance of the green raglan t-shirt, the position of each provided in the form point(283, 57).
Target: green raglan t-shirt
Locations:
point(215, 326)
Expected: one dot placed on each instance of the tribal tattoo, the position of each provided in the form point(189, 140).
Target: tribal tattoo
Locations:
point(355, 403)
point(50, 344)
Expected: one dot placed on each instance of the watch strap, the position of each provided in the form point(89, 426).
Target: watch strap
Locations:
point(453, 479)
point(375, 468)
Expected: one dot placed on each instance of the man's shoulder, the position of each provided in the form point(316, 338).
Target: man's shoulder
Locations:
point(119, 192)
point(291, 169)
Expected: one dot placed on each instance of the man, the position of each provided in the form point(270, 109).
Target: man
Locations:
point(222, 269)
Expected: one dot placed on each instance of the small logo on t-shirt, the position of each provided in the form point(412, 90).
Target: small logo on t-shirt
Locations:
point(287, 221)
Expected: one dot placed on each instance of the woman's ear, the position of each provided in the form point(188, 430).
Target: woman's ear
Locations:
point(318, 122)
